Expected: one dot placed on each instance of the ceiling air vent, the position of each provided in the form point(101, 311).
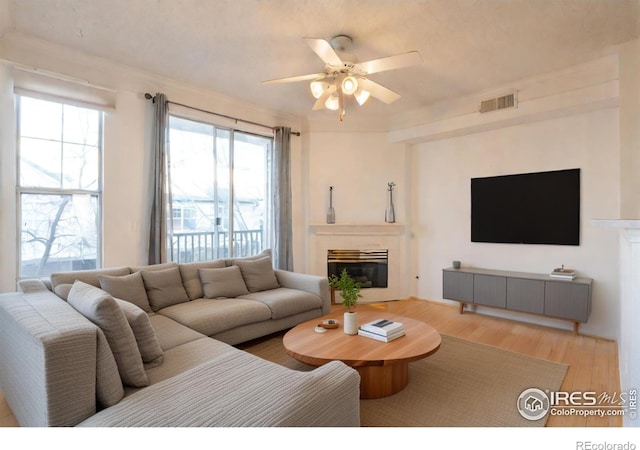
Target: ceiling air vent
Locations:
point(494, 104)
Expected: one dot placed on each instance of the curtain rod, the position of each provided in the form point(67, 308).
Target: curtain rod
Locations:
point(153, 98)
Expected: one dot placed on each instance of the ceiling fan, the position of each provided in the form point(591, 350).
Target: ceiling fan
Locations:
point(342, 78)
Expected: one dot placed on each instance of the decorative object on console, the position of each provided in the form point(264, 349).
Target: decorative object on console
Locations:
point(331, 214)
point(390, 213)
point(562, 273)
point(456, 264)
point(350, 292)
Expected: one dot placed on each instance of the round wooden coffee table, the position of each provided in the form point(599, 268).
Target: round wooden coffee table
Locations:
point(383, 366)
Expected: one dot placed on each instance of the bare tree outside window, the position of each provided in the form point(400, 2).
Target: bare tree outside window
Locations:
point(59, 186)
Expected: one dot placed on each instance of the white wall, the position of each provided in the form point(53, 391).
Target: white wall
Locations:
point(629, 334)
point(358, 166)
point(125, 183)
point(441, 202)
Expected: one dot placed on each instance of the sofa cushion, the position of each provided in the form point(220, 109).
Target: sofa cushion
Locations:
point(258, 274)
point(191, 278)
point(224, 282)
point(126, 287)
point(164, 287)
point(187, 356)
point(61, 282)
point(285, 302)
point(144, 333)
point(209, 316)
point(263, 394)
point(170, 333)
point(100, 308)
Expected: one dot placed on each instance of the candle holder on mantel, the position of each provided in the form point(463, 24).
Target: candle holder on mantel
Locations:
point(390, 213)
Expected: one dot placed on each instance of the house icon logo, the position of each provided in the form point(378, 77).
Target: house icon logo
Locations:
point(533, 404)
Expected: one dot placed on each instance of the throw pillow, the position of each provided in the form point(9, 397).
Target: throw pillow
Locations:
point(164, 288)
point(144, 333)
point(223, 282)
point(191, 277)
point(258, 274)
point(101, 309)
point(127, 287)
point(109, 389)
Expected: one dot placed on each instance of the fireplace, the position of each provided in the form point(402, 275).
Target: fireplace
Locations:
point(368, 267)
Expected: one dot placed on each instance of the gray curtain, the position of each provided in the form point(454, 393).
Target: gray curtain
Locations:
point(158, 225)
point(281, 203)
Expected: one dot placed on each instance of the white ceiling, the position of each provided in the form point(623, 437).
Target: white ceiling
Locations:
point(230, 46)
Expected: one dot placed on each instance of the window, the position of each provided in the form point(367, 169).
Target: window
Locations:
point(219, 191)
point(59, 186)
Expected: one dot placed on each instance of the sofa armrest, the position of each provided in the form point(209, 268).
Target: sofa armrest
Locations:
point(314, 284)
point(34, 285)
point(47, 360)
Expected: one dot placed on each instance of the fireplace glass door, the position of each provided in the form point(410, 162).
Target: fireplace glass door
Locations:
point(368, 267)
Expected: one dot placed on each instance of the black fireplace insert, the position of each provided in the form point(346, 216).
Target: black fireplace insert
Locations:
point(368, 267)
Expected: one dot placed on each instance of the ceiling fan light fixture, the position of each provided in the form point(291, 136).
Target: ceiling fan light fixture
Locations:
point(342, 78)
point(318, 88)
point(333, 102)
point(349, 85)
point(362, 96)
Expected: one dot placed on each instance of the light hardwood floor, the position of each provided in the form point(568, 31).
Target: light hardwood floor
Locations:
point(593, 362)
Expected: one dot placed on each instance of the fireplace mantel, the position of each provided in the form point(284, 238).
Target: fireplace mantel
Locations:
point(388, 229)
point(392, 237)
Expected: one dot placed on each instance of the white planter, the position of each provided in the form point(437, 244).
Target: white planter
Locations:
point(350, 323)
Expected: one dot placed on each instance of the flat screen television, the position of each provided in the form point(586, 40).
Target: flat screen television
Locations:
point(528, 208)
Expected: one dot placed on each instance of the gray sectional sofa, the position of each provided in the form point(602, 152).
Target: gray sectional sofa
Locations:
point(153, 346)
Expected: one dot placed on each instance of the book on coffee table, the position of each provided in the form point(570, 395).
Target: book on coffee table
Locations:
point(379, 337)
point(382, 327)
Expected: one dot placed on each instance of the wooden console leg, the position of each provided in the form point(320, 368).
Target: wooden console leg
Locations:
point(461, 307)
point(576, 328)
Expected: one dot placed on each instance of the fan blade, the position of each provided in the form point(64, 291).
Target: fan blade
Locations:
point(319, 104)
point(311, 76)
point(324, 50)
point(390, 63)
point(378, 91)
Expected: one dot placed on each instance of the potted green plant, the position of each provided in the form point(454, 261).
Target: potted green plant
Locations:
point(350, 293)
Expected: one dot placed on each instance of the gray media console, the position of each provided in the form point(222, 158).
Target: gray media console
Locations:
point(518, 291)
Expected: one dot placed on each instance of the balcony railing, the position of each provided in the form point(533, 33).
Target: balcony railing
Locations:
point(208, 245)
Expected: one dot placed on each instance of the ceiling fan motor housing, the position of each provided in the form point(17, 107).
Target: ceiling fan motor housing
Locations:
point(341, 43)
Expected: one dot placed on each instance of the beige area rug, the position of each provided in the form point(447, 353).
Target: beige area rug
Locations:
point(464, 384)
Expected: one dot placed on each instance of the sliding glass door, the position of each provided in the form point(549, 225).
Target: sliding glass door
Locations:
point(218, 180)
